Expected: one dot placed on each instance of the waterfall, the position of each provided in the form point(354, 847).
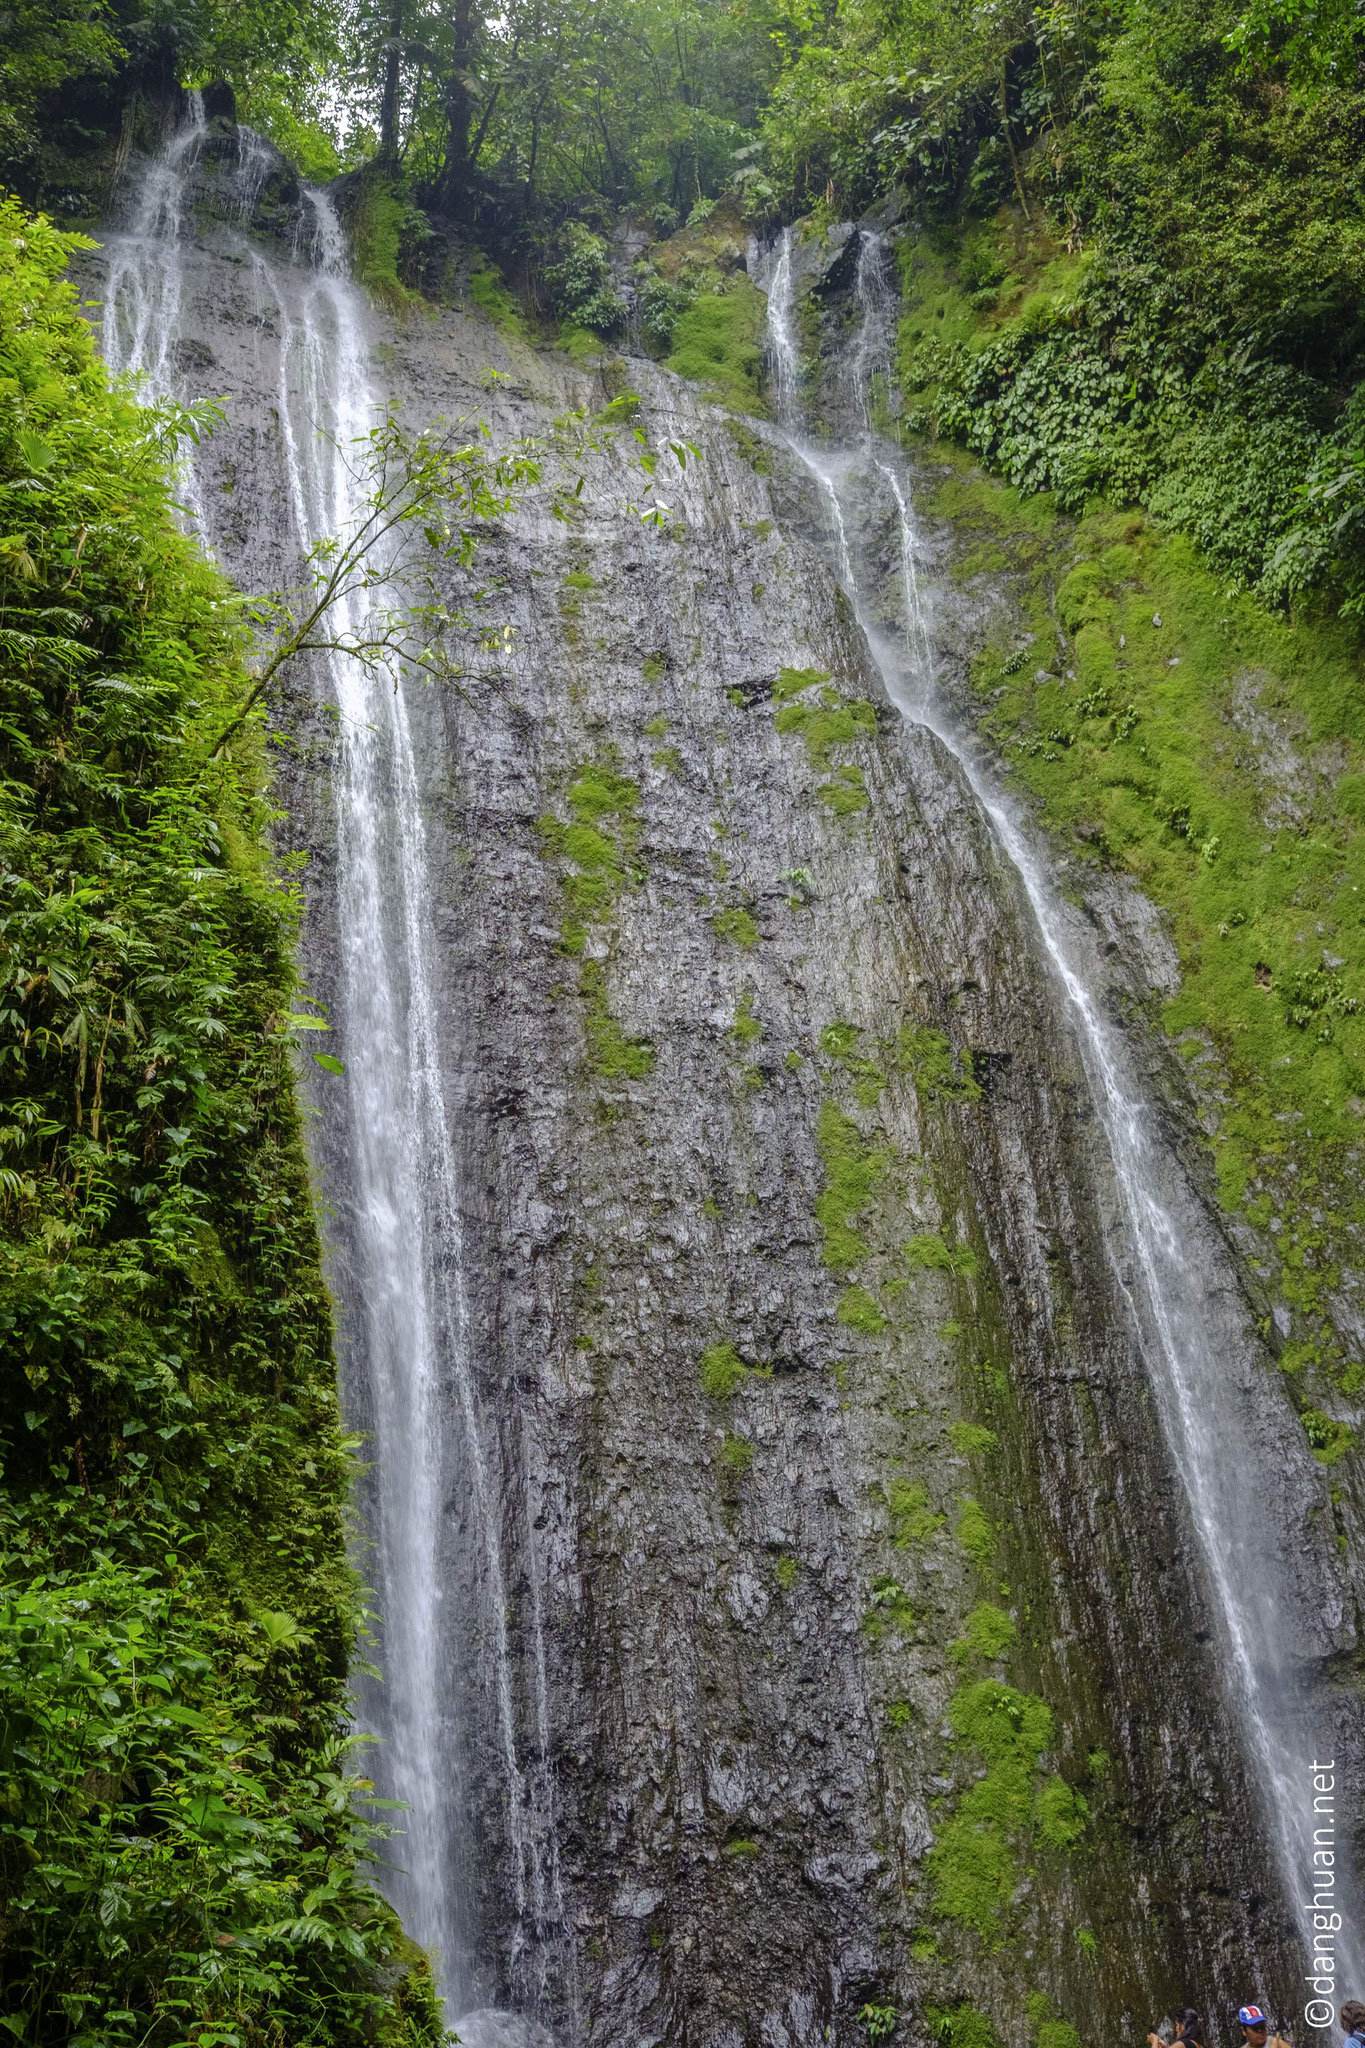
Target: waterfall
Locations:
point(1204, 1360)
point(142, 308)
point(396, 1238)
point(395, 1116)
point(784, 350)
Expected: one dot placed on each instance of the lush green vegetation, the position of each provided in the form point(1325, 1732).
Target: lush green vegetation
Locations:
point(75, 69)
point(1133, 276)
point(181, 1820)
point(1177, 729)
point(1136, 268)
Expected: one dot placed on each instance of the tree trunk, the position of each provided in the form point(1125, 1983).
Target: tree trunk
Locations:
point(388, 103)
point(1009, 138)
point(459, 111)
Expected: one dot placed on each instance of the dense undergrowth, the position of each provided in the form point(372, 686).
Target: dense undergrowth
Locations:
point(1134, 247)
point(179, 1832)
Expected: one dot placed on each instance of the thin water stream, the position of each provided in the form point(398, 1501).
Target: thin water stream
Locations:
point(397, 1231)
point(1203, 1359)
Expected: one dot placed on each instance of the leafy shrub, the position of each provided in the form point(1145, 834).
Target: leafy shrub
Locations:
point(962, 2026)
point(580, 284)
point(1328, 1440)
point(662, 305)
point(890, 1606)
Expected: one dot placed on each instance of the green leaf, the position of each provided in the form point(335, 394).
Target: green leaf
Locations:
point(37, 453)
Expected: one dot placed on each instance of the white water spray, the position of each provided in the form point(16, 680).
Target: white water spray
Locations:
point(142, 307)
point(405, 1243)
point(405, 1330)
point(1208, 1389)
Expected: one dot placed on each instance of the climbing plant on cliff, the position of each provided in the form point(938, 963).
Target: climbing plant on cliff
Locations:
point(180, 1832)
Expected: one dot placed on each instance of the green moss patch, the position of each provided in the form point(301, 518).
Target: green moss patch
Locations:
point(846, 793)
point(824, 721)
point(858, 1310)
point(1059, 1815)
point(831, 721)
point(843, 1042)
point(792, 682)
point(611, 1054)
point(972, 1439)
point(974, 1865)
point(746, 1027)
point(890, 1607)
point(723, 1372)
point(854, 1175)
point(718, 342)
point(989, 1634)
point(975, 1534)
point(927, 1253)
point(934, 1067)
point(488, 289)
point(736, 1455)
point(595, 846)
point(384, 225)
point(739, 926)
point(913, 1517)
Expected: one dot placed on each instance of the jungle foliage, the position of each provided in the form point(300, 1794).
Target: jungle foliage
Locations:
point(515, 113)
point(182, 1819)
point(1138, 268)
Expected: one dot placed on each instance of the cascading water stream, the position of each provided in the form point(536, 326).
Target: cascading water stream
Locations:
point(146, 276)
point(404, 1241)
point(1168, 1268)
point(398, 1234)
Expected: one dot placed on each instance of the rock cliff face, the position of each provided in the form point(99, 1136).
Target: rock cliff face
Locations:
point(855, 1648)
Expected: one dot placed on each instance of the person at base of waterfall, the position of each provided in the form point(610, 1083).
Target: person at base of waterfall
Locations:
point(1256, 2029)
point(1351, 2020)
point(1189, 2032)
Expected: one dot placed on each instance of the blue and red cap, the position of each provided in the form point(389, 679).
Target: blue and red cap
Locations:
point(1252, 2016)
